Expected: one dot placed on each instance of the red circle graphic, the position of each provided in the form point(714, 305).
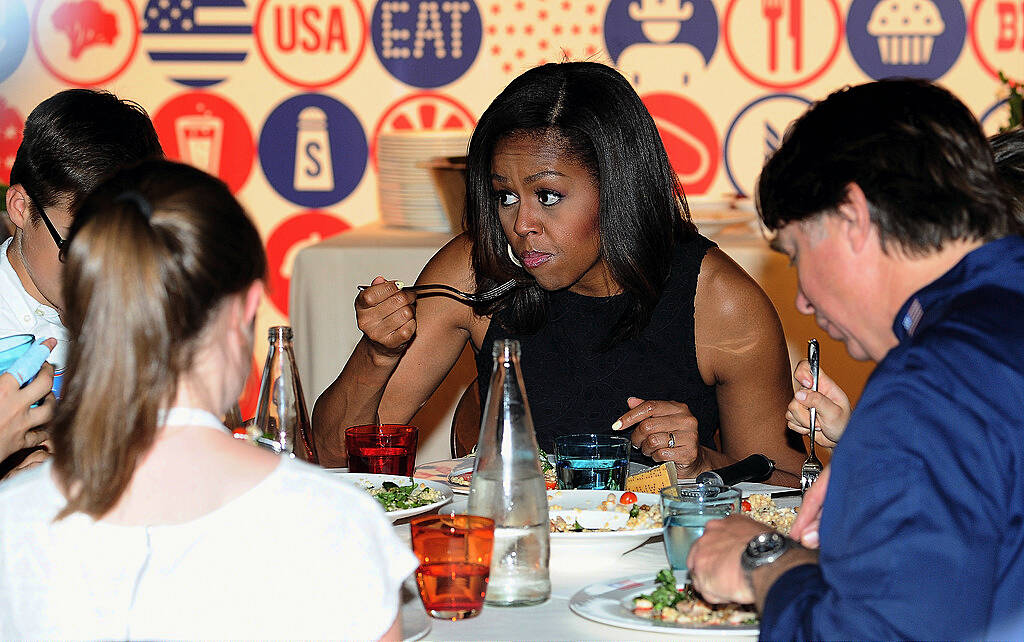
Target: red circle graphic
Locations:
point(750, 75)
point(416, 113)
point(208, 132)
point(286, 240)
point(11, 126)
point(250, 393)
point(979, 54)
point(134, 31)
point(280, 73)
point(682, 123)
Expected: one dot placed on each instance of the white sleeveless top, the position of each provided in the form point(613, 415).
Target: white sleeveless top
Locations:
point(299, 555)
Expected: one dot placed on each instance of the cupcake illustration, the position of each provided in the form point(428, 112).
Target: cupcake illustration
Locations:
point(905, 30)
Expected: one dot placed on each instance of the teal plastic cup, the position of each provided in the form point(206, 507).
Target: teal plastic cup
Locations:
point(12, 347)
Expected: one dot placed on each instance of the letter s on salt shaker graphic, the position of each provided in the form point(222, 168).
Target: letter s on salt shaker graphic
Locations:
point(313, 169)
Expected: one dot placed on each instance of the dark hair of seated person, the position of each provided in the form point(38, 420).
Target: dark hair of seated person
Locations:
point(927, 170)
point(601, 121)
point(151, 254)
point(76, 138)
point(1008, 148)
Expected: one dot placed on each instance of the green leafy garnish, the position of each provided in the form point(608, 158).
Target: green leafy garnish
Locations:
point(394, 497)
point(665, 594)
point(545, 465)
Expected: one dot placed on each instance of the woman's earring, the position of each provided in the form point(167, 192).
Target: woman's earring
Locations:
point(512, 256)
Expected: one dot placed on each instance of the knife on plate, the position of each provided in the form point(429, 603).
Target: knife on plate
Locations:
point(753, 468)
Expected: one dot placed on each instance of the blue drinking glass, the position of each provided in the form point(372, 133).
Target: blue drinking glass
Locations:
point(593, 462)
point(686, 508)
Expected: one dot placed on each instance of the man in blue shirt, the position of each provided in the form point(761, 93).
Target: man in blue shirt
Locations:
point(886, 198)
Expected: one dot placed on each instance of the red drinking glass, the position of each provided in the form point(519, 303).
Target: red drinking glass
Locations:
point(388, 449)
point(455, 562)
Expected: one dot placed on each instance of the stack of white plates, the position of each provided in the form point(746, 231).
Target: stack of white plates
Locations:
point(407, 194)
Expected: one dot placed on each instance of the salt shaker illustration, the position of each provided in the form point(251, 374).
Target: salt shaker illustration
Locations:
point(314, 171)
point(200, 138)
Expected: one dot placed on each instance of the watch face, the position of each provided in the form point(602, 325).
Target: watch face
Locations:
point(766, 544)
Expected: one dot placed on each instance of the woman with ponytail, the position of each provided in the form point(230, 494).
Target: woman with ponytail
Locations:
point(151, 521)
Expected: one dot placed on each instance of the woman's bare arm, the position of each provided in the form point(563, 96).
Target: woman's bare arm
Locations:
point(409, 344)
point(742, 351)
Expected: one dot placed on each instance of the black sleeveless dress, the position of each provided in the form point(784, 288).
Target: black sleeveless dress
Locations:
point(574, 387)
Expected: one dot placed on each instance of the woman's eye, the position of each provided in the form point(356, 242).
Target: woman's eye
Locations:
point(548, 197)
point(506, 198)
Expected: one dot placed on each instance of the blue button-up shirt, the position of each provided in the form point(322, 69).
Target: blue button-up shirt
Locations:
point(922, 531)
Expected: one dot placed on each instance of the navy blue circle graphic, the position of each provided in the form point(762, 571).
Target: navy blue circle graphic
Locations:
point(14, 31)
point(313, 150)
point(629, 22)
point(911, 38)
point(426, 43)
point(992, 111)
point(774, 132)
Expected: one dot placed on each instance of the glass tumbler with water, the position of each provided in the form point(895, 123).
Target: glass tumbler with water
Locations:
point(592, 462)
point(686, 508)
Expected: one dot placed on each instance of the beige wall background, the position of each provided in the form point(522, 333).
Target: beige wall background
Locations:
point(226, 81)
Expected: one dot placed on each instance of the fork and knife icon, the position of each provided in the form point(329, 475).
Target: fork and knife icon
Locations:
point(772, 11)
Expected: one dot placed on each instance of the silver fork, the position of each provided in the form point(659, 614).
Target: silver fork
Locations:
point(469, 297)
point(812, 467)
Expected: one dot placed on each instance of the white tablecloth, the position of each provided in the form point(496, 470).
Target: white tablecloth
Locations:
point(553, 620)
point(323, 289)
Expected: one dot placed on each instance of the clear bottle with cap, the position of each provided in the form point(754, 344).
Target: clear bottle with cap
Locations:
point(508, 487)
point(282, 421)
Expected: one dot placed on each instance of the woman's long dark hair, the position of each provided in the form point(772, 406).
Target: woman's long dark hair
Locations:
point(151, 255)
point(643, 211)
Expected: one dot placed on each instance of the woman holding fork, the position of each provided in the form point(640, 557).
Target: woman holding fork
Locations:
point(627, 317)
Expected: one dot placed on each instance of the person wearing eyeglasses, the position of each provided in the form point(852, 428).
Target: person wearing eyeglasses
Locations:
point(71, 142)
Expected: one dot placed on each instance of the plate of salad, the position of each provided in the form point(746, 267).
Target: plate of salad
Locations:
point(461, 475)
point(400, 496)
point(661, 603)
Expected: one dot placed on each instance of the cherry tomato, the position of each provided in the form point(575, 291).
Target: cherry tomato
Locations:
point(627, 498)
point(745, 505)
point(550, 485)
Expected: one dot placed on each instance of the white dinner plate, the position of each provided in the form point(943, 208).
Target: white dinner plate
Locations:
point(609, 544)
point(712, 220)
point(443, 470)
point(415, 621)
point(362, 480)
point(609, 603)
point(438, 471)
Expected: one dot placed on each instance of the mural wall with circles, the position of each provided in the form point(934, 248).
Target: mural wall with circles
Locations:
point(291, 102)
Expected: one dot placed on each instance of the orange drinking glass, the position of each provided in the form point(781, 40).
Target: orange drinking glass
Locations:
point(455, 561)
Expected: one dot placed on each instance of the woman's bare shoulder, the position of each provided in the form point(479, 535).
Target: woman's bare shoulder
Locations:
point(452, 264)
point(727, 294)
point(735, 323)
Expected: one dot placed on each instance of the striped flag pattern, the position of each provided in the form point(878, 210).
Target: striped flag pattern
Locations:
point(197, 41)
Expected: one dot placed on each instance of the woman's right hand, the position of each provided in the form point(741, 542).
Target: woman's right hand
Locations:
point(387, 316)
point(831, 403)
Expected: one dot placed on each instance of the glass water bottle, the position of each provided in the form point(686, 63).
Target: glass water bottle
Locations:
point(508, 487)
point(282, 421)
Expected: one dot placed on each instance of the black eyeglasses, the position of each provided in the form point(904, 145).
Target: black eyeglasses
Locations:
point(46, 220)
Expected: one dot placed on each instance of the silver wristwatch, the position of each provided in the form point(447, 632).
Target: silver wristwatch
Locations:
point(764, 549)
